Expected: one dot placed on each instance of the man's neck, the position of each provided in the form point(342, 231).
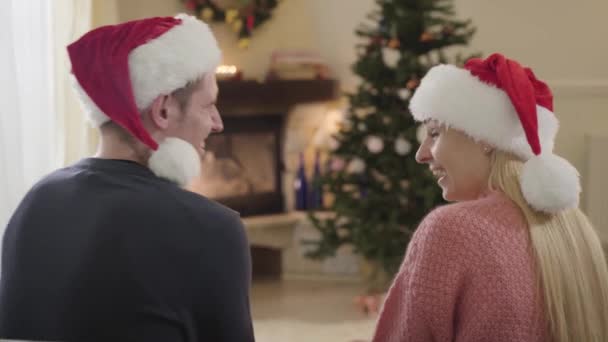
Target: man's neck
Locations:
point(109, 149)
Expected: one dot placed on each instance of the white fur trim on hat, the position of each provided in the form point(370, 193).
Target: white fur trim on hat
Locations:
point(94, 115)
point(175, 160)
point(550, 183)
point(457, 98)
point(183, 54)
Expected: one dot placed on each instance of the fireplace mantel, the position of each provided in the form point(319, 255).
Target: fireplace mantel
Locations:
point(242, 98)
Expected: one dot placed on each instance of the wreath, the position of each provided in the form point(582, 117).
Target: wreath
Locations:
point(243, 16)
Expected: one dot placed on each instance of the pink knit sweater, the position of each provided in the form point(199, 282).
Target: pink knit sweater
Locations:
point(468, 275)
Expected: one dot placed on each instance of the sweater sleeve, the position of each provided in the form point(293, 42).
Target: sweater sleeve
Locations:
point(421, 303)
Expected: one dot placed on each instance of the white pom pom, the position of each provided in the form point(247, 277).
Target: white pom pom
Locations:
point(550, 183)
point(175, 160)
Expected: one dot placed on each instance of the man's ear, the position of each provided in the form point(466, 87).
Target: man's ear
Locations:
point(159, 111)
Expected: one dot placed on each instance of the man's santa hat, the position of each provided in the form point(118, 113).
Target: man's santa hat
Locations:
point(501, 103)
point(120, 69)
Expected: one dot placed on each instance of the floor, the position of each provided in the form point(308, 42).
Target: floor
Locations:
point(307, 311)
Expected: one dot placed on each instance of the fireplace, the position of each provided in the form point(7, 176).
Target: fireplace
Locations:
point(244, 167)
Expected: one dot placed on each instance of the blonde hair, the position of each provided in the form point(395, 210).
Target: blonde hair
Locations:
point(570, 264)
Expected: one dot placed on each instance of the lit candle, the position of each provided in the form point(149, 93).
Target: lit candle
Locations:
point(226, 70)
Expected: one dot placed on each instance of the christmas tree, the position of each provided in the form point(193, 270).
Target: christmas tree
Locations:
point(380, 193)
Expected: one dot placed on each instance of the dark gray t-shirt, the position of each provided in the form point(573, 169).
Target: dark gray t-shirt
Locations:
point(105, 250)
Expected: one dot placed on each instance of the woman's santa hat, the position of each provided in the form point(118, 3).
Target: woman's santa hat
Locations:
point(498, 101)
point(120, 69)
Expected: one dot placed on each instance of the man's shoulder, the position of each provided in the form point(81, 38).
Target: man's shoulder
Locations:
point(138, 196)
point(199, 207)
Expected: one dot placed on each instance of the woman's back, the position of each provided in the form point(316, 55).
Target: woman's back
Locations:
point(468, 276)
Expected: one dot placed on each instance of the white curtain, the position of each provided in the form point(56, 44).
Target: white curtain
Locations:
point(28, 121)
point(41, 124)
point(71, 19)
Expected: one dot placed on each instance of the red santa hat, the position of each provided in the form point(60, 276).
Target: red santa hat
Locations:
point(120, 69)
point(498, 101)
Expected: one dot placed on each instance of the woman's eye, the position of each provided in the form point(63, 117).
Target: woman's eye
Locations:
point(433, 133)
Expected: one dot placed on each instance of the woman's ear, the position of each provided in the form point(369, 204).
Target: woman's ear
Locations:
point(487, 149)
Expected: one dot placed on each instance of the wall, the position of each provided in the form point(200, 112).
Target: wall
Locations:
point(320, 25)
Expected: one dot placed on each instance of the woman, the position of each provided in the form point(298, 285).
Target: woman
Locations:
point(514, 259)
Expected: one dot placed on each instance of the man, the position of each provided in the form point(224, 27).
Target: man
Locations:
point(111, 248)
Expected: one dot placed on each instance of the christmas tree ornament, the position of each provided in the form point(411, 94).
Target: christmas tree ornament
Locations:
point(356, 165)
point(364, 112)
point(426, 37)
point(402, 146)
point(352, 187)
point(374, 144)
point(343, 233)
point(394, 43)
point(250, 22)
point(390, 57)
point(404, 93)
point(190, 4)
point(337, 164)
point(237, 25)
point(412, 83)
point(231, 15)
point(207, 14)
